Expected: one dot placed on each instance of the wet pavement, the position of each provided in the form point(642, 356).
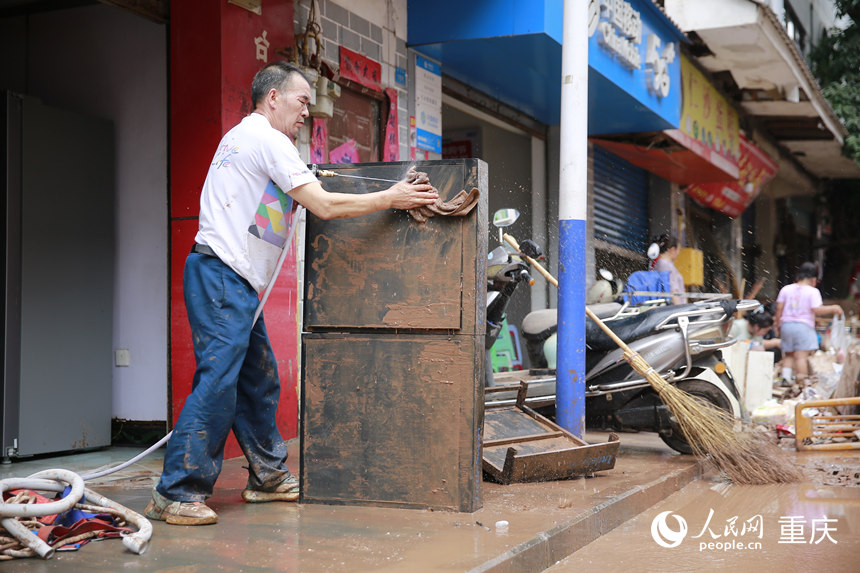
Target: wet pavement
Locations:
point(797, 527)
point(561, 525)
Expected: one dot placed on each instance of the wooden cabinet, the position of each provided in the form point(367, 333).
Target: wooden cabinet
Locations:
point(393, 348)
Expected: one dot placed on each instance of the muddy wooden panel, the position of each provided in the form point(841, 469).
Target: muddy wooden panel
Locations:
point(386, 271)
point(522, 446)
point(392, 420)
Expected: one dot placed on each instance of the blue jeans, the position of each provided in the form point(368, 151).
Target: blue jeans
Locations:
point(235, 386)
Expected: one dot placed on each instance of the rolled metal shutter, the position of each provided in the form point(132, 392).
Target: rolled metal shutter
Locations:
point(620, 201)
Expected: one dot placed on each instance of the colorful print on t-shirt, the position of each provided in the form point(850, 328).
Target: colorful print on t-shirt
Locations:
point(272, 217)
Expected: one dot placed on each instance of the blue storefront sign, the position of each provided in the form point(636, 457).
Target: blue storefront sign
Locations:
point(511, 51)
point(634, 68)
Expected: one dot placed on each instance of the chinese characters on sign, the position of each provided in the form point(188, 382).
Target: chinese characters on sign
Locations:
point(262, 45)
point(346, 152)
point(251, 38)
point(391, 147)
point(753, 525)
point(319, 141)
point(791, 530)
point(428, 104)
point(707, 118)
point(726, 536)
point(619, 31)
point(361, 69)
point(732, 198)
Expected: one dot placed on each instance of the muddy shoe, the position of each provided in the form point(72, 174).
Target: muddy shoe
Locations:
point(287, 490)
point(179, 512)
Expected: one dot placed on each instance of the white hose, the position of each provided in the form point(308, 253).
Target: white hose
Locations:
point(124, 465)
point(48, 480)
point(56, 480)
point(20, 532)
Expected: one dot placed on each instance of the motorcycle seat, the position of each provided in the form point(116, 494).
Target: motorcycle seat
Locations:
point(539, 323)
point(629, 328)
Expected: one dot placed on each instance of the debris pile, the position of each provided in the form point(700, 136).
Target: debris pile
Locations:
point(839, 474)
point(827, 399)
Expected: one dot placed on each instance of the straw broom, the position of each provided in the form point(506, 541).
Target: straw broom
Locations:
point(744, 455)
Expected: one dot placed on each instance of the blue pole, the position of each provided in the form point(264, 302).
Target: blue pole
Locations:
point(573, 195)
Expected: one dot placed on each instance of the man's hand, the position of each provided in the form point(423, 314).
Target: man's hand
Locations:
point(409, 196)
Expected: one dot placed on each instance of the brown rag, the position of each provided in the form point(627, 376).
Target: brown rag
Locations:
point(461, 205)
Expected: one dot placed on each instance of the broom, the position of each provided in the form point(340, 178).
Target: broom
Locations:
point(743, 454)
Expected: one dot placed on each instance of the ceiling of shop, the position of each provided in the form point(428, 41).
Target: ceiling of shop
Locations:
point(156, 10)
point(18, 7)
point(515, 70)
point(508, 49)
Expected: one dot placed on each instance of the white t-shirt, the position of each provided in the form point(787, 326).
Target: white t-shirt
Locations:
point(244, 212)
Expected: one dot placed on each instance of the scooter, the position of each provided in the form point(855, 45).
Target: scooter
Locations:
point(682, 342)
point(506, 270)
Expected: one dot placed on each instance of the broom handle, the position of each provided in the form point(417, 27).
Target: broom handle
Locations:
point(554, 281)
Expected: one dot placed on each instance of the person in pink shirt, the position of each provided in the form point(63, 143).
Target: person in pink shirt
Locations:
point(796, 308)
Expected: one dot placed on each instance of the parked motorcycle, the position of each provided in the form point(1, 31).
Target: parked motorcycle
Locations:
point(682, 342)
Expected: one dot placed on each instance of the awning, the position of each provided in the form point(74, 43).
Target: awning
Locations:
point(511, 51)
point(745, 42)
point(704, 149)
point(732, 198)
point(667, 155)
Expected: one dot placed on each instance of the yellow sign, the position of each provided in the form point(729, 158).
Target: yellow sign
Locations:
point(706, 116)
point(690, 263)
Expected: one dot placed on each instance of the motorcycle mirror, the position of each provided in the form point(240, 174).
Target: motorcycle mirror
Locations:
point(605, 275)
point(504, 218)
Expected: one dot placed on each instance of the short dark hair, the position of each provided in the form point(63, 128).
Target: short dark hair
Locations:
point(807, 271)
point(760, 317)
point(665, 242)
point(276, 75)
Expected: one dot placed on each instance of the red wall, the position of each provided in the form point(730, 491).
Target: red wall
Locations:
point(213, 58)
